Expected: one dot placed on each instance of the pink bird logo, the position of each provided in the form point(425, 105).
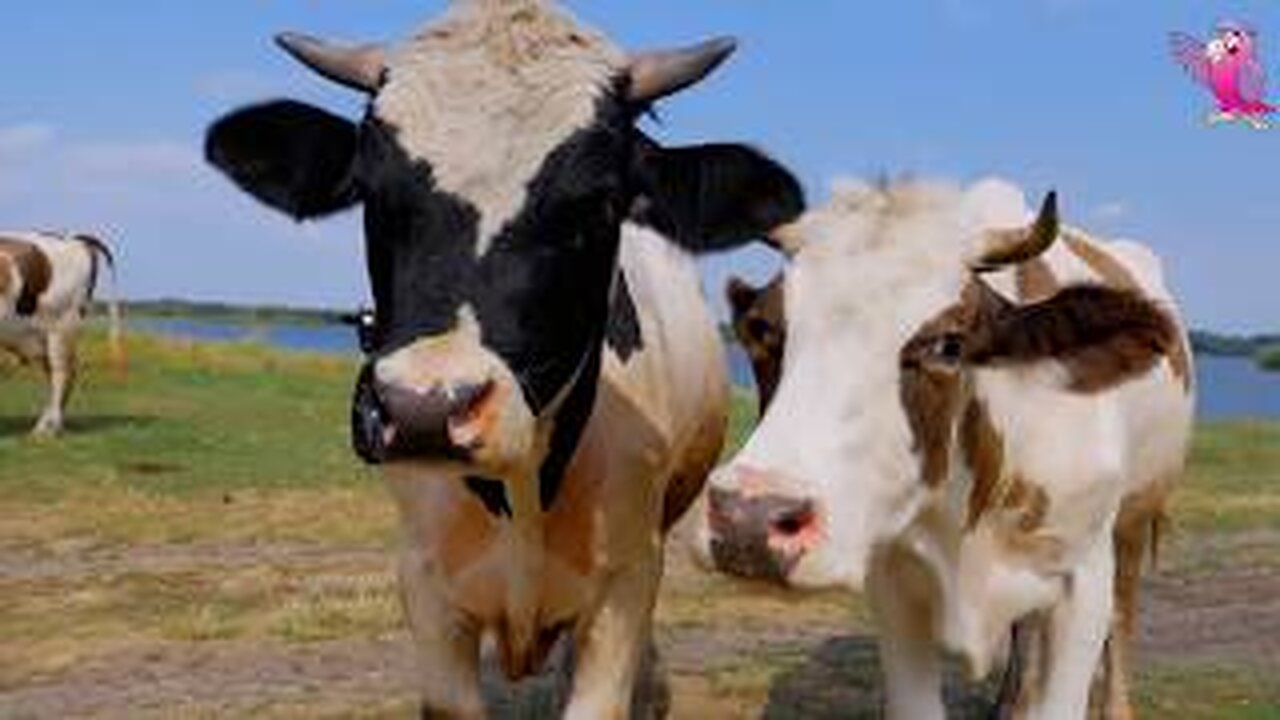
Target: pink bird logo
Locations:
point(1228, 66)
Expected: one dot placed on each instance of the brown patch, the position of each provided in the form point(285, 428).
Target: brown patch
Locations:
point(1115, 275)
point(984, 453)
point(931, 396)
point(759, 323)
point(1036, 282)
point(691, 473)
point(933, 384)
point(1102, 336)
point(1029, 501)
point(33, 267)
point(571, 525)
point(468, 534)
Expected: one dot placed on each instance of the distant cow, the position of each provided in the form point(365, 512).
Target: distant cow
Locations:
point(983, 425)
point(545, 388)
point(47, 281)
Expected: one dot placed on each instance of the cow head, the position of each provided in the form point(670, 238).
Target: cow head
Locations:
point(760, 326)
point(894, 346)
point(496, 163)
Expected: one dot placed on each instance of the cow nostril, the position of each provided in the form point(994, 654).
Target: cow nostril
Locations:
point(469, 400)
point(792, 521)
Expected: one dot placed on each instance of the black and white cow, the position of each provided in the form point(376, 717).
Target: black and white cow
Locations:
point(546, 389)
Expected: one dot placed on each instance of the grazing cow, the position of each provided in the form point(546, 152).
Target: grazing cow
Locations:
point(981, 425)
point(545, 389)
point(46, 283)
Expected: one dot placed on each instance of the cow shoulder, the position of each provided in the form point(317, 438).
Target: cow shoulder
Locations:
point(291, 156)
point(713, 197)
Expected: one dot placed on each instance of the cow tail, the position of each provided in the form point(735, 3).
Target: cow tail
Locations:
point(115, 333)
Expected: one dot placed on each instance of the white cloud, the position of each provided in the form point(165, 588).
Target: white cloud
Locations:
point(24, 138)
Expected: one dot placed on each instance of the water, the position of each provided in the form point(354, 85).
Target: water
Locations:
point(336, 339)
point(1228, 387)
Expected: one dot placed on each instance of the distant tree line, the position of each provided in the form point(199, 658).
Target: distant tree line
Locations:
point(1269, 359)
point(1265, 349)
point(231, 313)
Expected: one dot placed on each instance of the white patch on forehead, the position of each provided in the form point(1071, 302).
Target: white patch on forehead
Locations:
point(488, 92)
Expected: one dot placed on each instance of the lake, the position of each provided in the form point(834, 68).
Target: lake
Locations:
point(1229, 387)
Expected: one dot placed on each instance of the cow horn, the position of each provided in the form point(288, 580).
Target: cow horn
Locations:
point(360, 67)
point(657, 74)
point(1001, 248)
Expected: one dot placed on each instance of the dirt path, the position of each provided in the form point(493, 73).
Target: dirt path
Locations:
point(719, 666)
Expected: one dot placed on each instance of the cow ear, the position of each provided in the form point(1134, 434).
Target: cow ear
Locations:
point(713, 197)
point(1102, 336)
point(741, 295)
point(294, 157)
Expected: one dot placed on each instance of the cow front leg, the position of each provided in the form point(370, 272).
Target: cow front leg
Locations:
point(1077, 630)
point(448, 646)
point(1131, 542)
point(909, 655)
point(60, 370)
point(612, 644)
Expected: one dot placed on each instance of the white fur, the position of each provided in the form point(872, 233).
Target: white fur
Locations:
point(486, 93)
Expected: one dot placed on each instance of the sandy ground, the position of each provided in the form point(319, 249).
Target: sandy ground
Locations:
point(795, 664)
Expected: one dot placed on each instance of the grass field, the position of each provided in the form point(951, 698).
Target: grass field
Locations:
point(202, 543)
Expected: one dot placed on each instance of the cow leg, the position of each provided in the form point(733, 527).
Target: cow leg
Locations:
point(1076, 632)
point(448, 647)
point(1131, 547)
point(612, 645)
point(59, 364)
point(909, 653)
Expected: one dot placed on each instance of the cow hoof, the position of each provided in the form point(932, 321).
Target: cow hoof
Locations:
point(46, 431)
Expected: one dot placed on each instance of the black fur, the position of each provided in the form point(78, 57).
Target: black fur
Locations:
point(623, 333)
point(293, 157)
point(714, 197)
point(493, 493)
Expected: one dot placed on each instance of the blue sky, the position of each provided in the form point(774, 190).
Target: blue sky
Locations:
point(104, 106)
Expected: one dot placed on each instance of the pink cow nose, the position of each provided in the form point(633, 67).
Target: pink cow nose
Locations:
point(760, 535)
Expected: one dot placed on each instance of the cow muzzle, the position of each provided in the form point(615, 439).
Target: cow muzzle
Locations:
point(760, 536)
point(420, 404)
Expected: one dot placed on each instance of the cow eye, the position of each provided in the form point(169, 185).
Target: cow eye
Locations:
point(758, 328)
point(949, 348)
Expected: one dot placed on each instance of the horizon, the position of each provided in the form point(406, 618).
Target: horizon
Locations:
point(1075, 95)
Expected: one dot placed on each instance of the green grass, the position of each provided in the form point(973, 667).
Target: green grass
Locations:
point(205, 448)
point(1269, 358)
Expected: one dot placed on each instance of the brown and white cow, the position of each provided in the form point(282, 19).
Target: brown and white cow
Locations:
point(545, 390)
point(980, 425)
point(47, 281)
